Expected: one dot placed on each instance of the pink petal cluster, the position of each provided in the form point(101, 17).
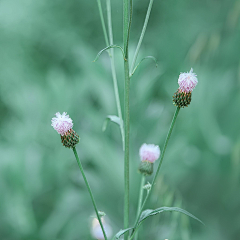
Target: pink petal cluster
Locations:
point(62, 123)
point(149, 152)
point(187, 81)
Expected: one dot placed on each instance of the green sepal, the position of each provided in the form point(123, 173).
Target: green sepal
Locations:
point(182, 99)
point(70, 139)
point(146, 168)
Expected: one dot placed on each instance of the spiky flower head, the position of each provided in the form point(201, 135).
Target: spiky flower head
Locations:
point(63, 125)
point(187, 81)
point(148, 153)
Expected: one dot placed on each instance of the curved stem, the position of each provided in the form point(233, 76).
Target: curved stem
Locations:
point(140, 200)
point(159, 165)
point(142, 35)
point(89, 190)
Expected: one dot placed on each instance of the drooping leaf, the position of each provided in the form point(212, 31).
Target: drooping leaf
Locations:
point(148, 57)
point(112, 118)
point(149, 212)
point(121, 232)
point(106, 48)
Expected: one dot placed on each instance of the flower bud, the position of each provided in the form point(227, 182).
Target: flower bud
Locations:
point(182, 99)
point(63, 125)
point(149, 153)
point(70, 139)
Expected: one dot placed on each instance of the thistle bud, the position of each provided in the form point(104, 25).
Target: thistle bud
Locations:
point(187, 82)
point(182, 99)
point(63, 125)
point(149, 153)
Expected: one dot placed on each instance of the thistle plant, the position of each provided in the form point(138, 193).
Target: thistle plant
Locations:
point(149, 153)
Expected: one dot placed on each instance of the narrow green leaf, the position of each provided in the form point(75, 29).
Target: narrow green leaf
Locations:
point(149, 212)
point(121, 232)
point(106, 48)
point(112, 118)
point(148, 57)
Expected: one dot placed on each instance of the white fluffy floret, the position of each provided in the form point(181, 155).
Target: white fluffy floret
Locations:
point(149, 152)
point(187, 81)
point(62, 123)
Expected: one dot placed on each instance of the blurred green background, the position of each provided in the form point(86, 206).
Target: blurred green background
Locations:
point(46, 54)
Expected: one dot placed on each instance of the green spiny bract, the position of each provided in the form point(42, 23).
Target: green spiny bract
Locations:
point(182, 99)
point(146, 168)
point(70, 139)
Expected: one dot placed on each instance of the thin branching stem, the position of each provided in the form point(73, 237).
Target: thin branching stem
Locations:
point(159, 165)
point(114, 76)
point(140, 198)
point(109, 41)
point(141, 36)
point(90, 192)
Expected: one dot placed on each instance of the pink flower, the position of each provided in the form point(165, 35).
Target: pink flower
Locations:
point(187, 81)
point(96, 229)
point(62, 123)
point(149, 152)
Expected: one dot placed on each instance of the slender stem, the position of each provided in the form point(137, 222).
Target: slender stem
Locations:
point(159, 165)
point(114, 76)
point(126, 26)
point(142, 35)
point(103, 22)
point(111, 55)
point(140, 200)
point(89, 190)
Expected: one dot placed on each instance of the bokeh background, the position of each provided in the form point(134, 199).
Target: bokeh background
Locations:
point(47, 50)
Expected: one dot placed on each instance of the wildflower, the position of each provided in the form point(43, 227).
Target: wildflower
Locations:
point(148, 153)
point(187, 82)
point(96, 229)
point(63, 125)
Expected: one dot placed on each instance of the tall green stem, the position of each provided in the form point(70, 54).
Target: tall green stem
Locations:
point(89, 190)
point(126, 30)
point(140, 200)
point(114, 76)
point(111, 55)
point(141, 36)
point(159, 165)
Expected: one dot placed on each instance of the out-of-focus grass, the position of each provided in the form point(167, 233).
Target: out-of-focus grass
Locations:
point(46, 54)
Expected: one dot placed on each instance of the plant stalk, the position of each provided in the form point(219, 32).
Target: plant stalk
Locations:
point(114, 76)
point(90, 192)
point(141, 36)
point(126, 30)
point(159, 165)
point(140, 199)
point(111, 55)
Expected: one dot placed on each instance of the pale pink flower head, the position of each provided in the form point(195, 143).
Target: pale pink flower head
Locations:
point(187, 81)
point(62, 123)
point(149, 152)
point(96, 229)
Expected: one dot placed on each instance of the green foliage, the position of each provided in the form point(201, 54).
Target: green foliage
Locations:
point(111, 118)
point(46, 54)
point(149, 212)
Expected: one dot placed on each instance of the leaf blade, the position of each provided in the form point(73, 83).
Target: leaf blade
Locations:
point(149, 212)
point(106, 48)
